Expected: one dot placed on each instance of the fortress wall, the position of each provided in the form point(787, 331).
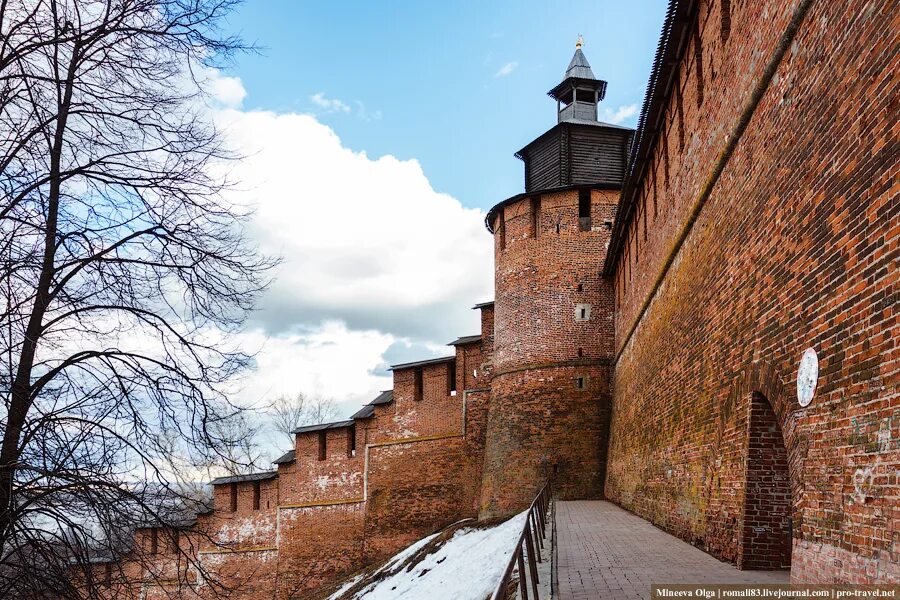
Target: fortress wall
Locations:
point(795, 247)
point(552, 346)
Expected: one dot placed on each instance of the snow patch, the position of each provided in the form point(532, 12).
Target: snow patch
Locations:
point(467, 566)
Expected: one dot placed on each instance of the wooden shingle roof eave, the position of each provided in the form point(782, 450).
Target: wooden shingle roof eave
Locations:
point(423, 363)
point(261, 476)
point(323, 426)
point(680, 14)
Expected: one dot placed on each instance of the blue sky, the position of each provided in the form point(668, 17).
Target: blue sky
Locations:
point(426, 80)
point(374, 137)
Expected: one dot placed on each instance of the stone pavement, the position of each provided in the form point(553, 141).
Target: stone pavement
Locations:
point(605, 552)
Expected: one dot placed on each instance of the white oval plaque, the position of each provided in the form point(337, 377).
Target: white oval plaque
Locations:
point(807, 377)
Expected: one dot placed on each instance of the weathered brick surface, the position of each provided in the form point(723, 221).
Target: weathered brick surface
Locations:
point(540, 423)
point(796, 247)
point(687, 413)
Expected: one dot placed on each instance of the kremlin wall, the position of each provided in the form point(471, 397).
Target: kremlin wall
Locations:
point(655, 290)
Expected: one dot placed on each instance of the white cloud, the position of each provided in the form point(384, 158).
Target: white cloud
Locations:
point(223, 91)
point(507, 69)
point(327, 359)
point(620, 114)
point(330, 105)
point(378, 266)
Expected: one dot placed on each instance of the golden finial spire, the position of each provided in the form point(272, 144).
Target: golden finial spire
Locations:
point(579, 43)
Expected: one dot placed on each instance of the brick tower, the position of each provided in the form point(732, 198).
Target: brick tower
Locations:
point(550, 390)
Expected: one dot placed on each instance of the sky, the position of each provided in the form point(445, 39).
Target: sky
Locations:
point(375, 136)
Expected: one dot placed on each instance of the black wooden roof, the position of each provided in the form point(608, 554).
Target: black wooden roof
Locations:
point(579, 66)
point(385, 397)
point(578, 74)
point(422, 363)
point(669, 52)
point(521, 154)
point(481, 305)
point(241, 478)
point(289, 456)
point(366, 412)
point(322, 426)
point(466, 339)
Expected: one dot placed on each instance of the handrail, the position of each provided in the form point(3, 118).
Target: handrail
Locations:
point(531, 540)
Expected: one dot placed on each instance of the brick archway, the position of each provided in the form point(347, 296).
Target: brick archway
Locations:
point(765, 536)
point(772, 495)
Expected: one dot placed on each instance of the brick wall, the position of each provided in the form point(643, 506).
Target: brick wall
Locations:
point(796, 246)
point(550, 380)
point(417, 467)
point(766, 530)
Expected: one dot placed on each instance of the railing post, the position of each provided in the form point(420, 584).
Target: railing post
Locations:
point(522, 583)
point(532, 565)
point(531, 539)
point(535, 532)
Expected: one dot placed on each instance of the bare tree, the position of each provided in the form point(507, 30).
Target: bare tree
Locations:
point(124, 270)
point(291, 412)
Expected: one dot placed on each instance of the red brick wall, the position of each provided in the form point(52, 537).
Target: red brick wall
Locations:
point(766, 530)
point(469, 362)
point(540, 424)
point(437, 413)
point(320, 520)
point(795, 247)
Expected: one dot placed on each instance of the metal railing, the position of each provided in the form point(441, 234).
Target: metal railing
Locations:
point(528, 550)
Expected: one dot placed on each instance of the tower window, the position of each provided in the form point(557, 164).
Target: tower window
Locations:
point(582, 312)
point(107, 574)
point(584, 209)
point(323, 445)
point(580, 352)
point(501, 229)
point(154, 540)
point(256, 494)
point(536, 216)
point(233, 499)
point(418, 385)
point(580, 383)
point(173, 541)
point(580, 287)
point(451, 379)
point(351, 441)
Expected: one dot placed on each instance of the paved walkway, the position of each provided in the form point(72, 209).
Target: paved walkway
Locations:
point(605, 552)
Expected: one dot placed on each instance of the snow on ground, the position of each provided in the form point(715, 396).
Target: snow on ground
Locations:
point(467, 566)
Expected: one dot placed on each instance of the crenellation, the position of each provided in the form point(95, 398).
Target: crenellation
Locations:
point(644, 338)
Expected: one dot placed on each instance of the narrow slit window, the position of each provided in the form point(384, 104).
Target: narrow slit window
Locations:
point(351, 441)
point(536, 216)
point(582, 312)
point(451, 379)
point(107, 574)
point(174, 541)
point(579, 383)
point(154, 540)
point(323, 442)
point(256, 494)
point(580, 353)
point(233, 499)
point(418, 385)
point(584, 210)
point(501, 229)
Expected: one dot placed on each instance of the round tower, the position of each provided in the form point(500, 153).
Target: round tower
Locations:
point(553, 319)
